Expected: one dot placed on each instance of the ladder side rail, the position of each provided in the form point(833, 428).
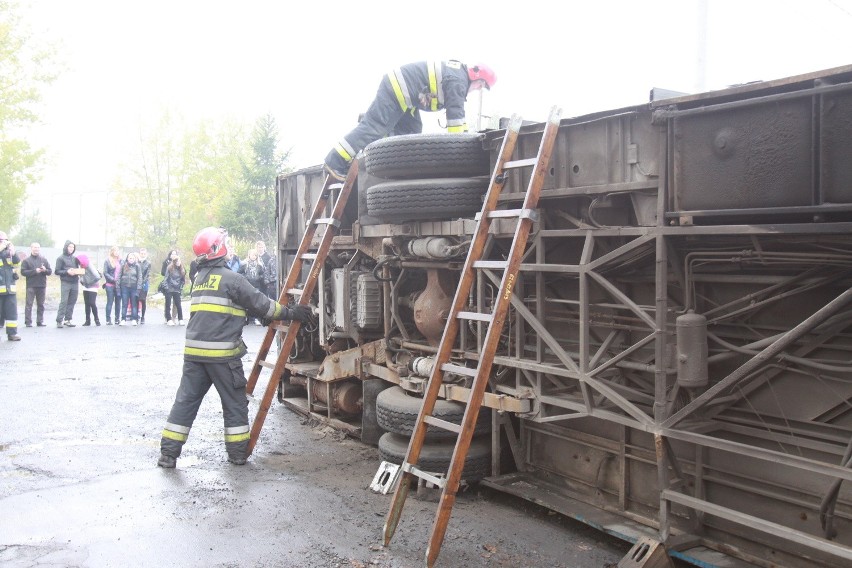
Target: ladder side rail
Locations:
point(293, 328)
point(292, 277)
point(451, 328)
point(492, 339)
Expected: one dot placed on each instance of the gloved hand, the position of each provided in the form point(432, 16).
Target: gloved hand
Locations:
point(298, 313)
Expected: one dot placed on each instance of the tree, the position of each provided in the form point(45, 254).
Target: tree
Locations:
point(249, 212)
point(178, 182)
point(25, 69)
point(33, 230)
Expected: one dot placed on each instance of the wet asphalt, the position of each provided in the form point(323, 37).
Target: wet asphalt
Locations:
point(82, 411)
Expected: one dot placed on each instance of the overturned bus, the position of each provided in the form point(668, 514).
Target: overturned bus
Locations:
point(677, 361)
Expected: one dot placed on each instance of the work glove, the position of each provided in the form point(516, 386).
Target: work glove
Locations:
point(297, 313)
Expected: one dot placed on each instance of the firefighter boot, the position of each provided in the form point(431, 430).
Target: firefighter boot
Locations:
point(237, 460)
point(167, 462)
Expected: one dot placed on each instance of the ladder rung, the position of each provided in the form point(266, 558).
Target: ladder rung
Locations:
point(266, 364)
point(335, 185)
point(475, 316)
point(309, 256)
point(520, 163)
point(443, 424)
point(531, 214)
point(498, 264)
point(521, 213)
point(280, 326)
point(417, 472)
point(328, 221)
point(295, 291)
point(459, 370)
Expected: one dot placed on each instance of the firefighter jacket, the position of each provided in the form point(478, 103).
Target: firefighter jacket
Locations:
point(8, 265)
point(432, 86)
point(221, 300)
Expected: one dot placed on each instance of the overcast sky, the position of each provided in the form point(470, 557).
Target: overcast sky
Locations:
point(316, 64)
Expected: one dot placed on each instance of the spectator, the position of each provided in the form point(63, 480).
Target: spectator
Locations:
point(130, 283)
point(112, 273)
point(145, 265)
point(173, 285)
point(35, 268)
point(69, 272)
point(271, 267)
point(233, 262)
point(9, 262)
point(173, 254)
point(89, 282)
point(255, 272)
point(167, 261)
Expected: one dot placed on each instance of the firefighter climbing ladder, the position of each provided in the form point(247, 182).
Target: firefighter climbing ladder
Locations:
point(303, 295)
point(526, 216)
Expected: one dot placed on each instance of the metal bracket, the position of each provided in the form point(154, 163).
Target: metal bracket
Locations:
point(386, 478)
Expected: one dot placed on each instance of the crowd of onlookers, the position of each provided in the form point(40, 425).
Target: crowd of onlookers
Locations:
point(125, 281)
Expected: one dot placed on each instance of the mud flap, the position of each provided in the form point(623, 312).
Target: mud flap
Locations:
point(646, 553)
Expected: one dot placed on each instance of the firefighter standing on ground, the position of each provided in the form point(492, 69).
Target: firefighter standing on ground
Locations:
point(403, 93)
point(9, 262)
point(221, 300)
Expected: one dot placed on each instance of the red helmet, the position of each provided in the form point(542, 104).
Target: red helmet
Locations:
point(484, 72)
point(210, 243)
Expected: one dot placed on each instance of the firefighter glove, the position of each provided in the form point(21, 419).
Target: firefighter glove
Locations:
point(298, 313)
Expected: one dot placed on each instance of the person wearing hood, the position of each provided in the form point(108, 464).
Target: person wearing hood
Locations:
point(69, 272)
point(221, 301)
point(9, 262)
point(89, 282)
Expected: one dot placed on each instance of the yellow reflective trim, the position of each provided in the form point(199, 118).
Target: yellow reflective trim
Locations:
point(343, 153)
point(217, 309)
point(398, 90)
point(462, 128)
point(210, 352)
point(433, 85)
point(237, 437)
point(11, 324)
point(174, 436)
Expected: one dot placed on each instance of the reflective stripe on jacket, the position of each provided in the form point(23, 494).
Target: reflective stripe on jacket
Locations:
point(432, 86)
point(221, 300)
point(8, 264)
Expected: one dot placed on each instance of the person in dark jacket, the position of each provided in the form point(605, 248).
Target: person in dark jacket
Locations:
point(130, 282)
point(9, 262)
point(173, 254)
point(35, 268)
point(145, 266)
point(403, 93)
point(69, 272)
point(173, 283)
point(212, 355)
point(270, 270)
point(112, 273)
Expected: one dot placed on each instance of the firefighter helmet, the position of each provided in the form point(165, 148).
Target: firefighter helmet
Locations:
point(484, 72)
point(210, 243)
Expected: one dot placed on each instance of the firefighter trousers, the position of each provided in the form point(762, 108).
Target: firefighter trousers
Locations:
point(385, 116)
point(230, 382)
point(9, 313)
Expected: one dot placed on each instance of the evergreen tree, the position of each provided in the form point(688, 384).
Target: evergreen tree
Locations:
point(249, 212)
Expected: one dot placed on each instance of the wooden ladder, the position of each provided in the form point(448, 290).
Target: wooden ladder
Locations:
point(526, 216)
point(303, 295)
